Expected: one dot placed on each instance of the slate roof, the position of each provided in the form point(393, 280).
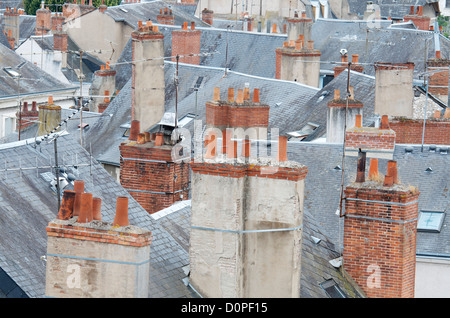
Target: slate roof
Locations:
point(27, 26)
point(259, 59)
point(33, 80)
point(148, 11)
point(384, 44)
point(323, 181)
point(106, 133)
point(315, 257)
point(27, 204)
point(389, 8)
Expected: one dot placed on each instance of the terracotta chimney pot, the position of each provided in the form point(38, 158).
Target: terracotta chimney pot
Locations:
point(392, 170)
point(159, 140)
point(256, 96)
point(282, 148)
point(97, 209)
point(66, 209)
point(373, 169)
point(216, 94)
point(384, 122)
point(358, 121)
point(231, 95)
point(78, 188)
point(121, 218)
point(134, 130)
point(240, 96)
point(246, 148)
point(86, 215)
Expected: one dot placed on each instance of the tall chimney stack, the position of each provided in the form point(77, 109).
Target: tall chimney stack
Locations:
point(90, 258)
point(104, 80)
point(298, 61)
point(258, 209)
point(299, 25)
point(148, 84)
point(380, 235)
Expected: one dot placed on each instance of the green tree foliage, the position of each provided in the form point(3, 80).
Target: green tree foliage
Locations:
point(31, 6)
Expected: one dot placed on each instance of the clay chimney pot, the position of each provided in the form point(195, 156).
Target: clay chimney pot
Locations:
point(121, 218)
point(66, 209)
point(97, 209)
point(86, 215)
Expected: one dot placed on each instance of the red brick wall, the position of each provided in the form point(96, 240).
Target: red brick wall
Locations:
point(410, 131)
point(60, 42)
point(438, 84)
point(370, 138)
point(235, 115)
point(143, 176)
point(379, 254)
point(185, 42)
point(421, 22)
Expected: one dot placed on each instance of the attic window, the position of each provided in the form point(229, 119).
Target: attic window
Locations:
point(127, 128)
point(430, 221)
point(332, 289)
point(198, 82)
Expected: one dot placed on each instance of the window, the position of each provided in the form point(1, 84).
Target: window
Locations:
point(307, 130)
point(332, 289)
point(430, 221)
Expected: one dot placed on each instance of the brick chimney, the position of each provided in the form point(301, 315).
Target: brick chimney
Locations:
point(394, 93)
point(148, 84)
point(247, 115)
point(60, 44)
point(11, 25)
point(245, 221)
point(28, 116)
point(165, 16)
point(439, 81)
point(185, 42)
point(43, 20)
point(298, 61)
point(57, 21)
point(354, 66)
point(49, 117)
point(89, 258)
point(299, 26)
point(376, 142)
point(420, 21)
point(380, 233)
point(336, 115)
point(104, 80)
point(71, 10)
point(149, 172)
point(208, 16)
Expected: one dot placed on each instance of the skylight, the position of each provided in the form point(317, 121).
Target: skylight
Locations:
point(332, 289)
point(430, 221)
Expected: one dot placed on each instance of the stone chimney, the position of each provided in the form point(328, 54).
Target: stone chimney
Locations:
point(90, 258)
point(104, 80)
point(420, 21)
point(185, 42)
point(208, 16)
point(245, 222)
point(299, 26)
point(11, 25)
point(43, 20)
point(150, 172)
point(380, 233)
point(376, 142)
point(336, 115)
point(247, 115)
point(354, 66)
point(49, 117)
point(298, 61)
point(148, 84)
point(394, 93)
point(165, 16)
